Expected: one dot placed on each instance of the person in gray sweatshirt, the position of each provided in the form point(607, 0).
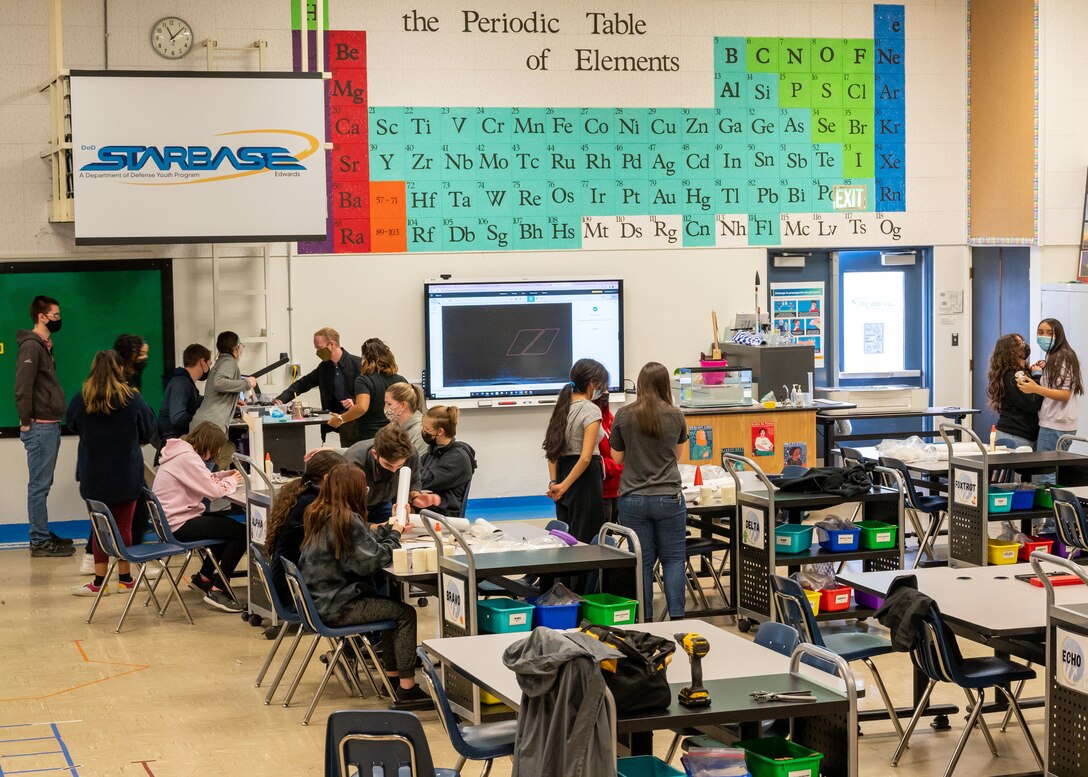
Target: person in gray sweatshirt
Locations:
point(224, 382)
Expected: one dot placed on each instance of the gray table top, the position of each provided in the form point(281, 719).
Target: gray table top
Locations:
point(989, 600)
point(731, 657)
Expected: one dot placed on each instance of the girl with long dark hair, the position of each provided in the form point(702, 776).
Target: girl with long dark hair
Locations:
point(377, 373)
point(1018, 413)
point(1059, 383)
point(570, 445)
point(648, 438)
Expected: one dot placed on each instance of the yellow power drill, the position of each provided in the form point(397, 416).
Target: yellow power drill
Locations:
point(696, 646)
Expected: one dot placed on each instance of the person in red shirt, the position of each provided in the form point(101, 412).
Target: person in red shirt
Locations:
point(612, 470)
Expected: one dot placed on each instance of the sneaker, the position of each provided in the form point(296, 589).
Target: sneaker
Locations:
point(220, 600)
point(86, 566)
point(200, 585)
point(61, 540)
point(414, 698)
point(90, 589)
point(123, 586)
point(51, 549)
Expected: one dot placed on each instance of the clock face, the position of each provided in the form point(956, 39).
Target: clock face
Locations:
point(171, 37)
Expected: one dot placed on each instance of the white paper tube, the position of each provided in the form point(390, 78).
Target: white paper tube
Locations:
point(403, 487)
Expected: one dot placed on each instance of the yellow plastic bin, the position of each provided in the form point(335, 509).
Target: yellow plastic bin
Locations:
point(813, 600)
point(1001, 552)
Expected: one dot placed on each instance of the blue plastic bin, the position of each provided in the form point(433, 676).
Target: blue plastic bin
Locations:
point(792, 538)
point(837, 541)
point(555, 616)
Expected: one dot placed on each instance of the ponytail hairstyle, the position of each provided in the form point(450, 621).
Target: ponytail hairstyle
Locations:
point(1008, 356)
point(584, 373)
point(445, 417)
point(408, 393)
point(1061, 360)
point(319, 465)
point(105, 389)
point(342, 495)
point(653, 394)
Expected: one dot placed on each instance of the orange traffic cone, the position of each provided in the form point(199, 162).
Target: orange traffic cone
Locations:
point(698, 476)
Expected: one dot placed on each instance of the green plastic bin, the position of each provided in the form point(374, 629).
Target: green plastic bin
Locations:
point(1043, 500)
point(877, 535)
point(501, 615)
point(645, 766)
point(777, 757)
point(608, 610)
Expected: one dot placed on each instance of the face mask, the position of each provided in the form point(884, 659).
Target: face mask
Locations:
point(392, 415)
point(324, 354)
point(140, 366)
point(597, 394)
point(428, 438)
point(203, 375)
point(1045, 342)
point(381, 474)
point(1027, 350)
point(53, 326)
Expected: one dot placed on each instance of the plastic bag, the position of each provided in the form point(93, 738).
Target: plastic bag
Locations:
point(910, 449)
point(1009, 533)
point(817, 577)
point(710, 472)
point(835, 523)
point(715, 762)
point(558, 594)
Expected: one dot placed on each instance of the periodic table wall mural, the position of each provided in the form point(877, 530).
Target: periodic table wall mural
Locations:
point(580, 126)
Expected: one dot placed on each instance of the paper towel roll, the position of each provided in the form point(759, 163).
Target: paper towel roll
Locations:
point(461, 524)
point(400, 561)
point(481, 528)
point(403, 489)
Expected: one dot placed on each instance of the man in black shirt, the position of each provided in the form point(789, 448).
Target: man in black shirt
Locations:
point(334, 378)
point(180, 399)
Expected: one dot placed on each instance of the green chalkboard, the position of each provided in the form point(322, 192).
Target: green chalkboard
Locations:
point(98, 301)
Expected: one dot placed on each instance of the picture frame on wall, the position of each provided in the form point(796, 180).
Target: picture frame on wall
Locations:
point(1082, 261)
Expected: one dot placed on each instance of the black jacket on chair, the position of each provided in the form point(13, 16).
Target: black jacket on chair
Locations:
point(901, 612)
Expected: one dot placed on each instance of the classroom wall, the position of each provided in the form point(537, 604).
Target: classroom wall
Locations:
point(669, 294)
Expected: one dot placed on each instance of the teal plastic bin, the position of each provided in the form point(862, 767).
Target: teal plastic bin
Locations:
point(792, 538)
point(501, 615)
point(645, 766)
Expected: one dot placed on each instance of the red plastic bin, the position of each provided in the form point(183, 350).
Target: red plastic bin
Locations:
point(835, 599)
point(1033, 544)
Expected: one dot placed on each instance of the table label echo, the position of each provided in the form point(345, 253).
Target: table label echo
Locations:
point(1071, 650)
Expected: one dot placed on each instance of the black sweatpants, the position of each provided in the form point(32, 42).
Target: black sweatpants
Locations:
point(213, 526)
point(398, 645)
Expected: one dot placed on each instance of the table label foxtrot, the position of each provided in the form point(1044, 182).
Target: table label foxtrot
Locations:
point(966, 487)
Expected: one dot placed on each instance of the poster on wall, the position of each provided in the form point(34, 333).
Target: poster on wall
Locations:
point(795, 454)
point(763, 439)
point(198, 157)
point(797, 310)
point(738, 466)
point(659, 125)
point(700, 443)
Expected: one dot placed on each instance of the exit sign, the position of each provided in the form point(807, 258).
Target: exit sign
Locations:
point(848, 197)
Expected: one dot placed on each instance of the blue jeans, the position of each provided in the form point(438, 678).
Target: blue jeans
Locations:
point(660, 522)
point(42, 442)
point(1048, 441)
point(1013, 440)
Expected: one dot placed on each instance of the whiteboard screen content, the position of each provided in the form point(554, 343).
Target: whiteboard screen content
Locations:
point(513, 342)
point(197, 157)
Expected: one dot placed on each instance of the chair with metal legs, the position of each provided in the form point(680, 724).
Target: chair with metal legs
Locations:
point(203, 548)
point(936, 653)
point(108, 536)
point(792, 608)
point(369, 743)
point(933, 506)
point(342, 639)
point(484, 742)
point(287, 618)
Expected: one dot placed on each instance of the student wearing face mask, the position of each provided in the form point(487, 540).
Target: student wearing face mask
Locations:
point(334, 377)
point(448, 465)
point(180, 399)
point(133, 352)
point(377, 373)
point(570, 445)
point(224, 383)
point(1059, 382)
point(404, 407)
point(1018, 413)
point(381, 459)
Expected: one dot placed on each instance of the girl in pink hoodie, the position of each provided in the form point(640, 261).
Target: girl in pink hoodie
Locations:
point(182, 483)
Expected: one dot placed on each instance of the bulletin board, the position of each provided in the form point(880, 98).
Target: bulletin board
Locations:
point(98, 301)
point(656, 140)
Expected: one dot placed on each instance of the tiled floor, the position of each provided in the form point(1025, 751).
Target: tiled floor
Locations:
point(164, 698)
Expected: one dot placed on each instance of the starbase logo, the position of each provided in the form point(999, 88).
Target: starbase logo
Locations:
point(140, 165)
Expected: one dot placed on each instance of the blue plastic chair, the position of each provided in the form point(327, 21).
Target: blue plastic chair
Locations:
point(341, 637)
point(1070, 522)
point(484, 742)
point(108, 536)
point(793, 609)
point(937, 654)
point(161, 525)
point(287, 616)
point(370, 743)
point(933, 506)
